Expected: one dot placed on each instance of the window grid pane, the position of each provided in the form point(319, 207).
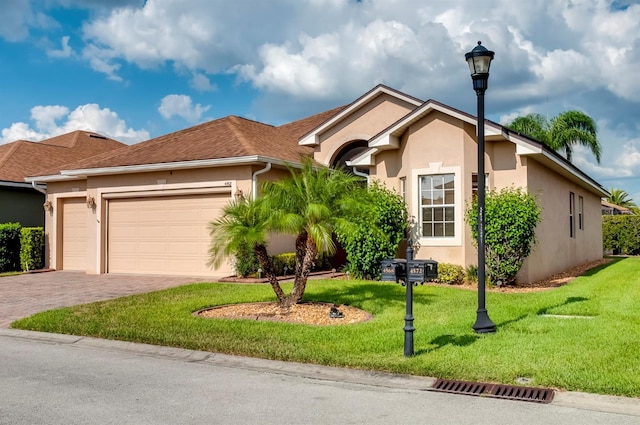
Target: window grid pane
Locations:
point(437, 202)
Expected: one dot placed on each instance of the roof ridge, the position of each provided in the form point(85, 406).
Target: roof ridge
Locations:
point(236, 128)
point(12, 148)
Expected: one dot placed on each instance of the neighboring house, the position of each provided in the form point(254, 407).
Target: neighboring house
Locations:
point(613, 209)
point(145, 209)
point(22, 202)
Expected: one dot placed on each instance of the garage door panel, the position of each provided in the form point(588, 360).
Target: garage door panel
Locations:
point(162, 235)
point(74, 234)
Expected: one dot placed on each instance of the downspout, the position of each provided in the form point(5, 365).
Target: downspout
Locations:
point(39, 189)
point(361, 174)
point(254, 180)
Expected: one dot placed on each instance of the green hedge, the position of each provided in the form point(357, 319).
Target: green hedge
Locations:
point(10, 247)
point(452, 274)
point(32, 248)
point(621, 234)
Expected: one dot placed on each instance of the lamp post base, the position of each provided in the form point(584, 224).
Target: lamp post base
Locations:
point(483, 324)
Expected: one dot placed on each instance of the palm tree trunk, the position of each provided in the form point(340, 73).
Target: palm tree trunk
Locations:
point(267, 266)
point(306, 251)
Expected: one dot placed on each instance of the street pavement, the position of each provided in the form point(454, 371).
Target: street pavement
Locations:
point(63, 379)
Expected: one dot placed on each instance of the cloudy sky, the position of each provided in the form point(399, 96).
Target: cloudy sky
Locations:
point(135, 69)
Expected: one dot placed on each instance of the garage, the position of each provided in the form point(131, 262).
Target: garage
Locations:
point(162, 234)
point(74, 234)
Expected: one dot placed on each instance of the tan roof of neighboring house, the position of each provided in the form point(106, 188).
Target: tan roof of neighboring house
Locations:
point(226, 137)
point(614, 206)
point(22, 158)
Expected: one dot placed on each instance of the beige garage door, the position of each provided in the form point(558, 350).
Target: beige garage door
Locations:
point(162, 235)
point(74, 234)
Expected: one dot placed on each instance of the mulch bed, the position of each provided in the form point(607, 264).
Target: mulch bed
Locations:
point(307, 313)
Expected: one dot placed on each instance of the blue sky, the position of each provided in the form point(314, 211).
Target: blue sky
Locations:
point(135, 69)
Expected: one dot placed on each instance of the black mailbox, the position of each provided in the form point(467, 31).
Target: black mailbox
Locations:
point(420, 271)
point(393, 269)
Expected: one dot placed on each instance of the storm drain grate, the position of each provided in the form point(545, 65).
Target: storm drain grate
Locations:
point(511, 392)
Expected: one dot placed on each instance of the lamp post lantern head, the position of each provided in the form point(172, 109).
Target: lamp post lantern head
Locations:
point(479, 61)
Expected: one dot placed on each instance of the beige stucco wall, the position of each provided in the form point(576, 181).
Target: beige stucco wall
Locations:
point(439, 144)
point(555, 250)
point(362, 124)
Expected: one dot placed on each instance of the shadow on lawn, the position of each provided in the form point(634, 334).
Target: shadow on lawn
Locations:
point(444, 340)
point(568, 301)
point(371, 295)
point(602, 267)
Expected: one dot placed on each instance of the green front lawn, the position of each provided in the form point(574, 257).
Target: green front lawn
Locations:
point(598, 354)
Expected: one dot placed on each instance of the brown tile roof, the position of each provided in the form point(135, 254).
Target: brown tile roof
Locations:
point(226, 137)
point(22, 159)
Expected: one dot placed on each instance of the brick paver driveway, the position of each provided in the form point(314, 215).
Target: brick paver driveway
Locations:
point(26, 294)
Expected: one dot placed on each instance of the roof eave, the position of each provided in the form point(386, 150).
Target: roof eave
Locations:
point(145, 168)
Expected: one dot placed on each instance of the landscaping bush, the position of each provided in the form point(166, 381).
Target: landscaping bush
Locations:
point(31, 248)
point(471, 273)
point(10, 247)
point(621, 234)
point(451, 274)
point(511, 217)
point(280, 261)
point(245, 262)
point(378, 232)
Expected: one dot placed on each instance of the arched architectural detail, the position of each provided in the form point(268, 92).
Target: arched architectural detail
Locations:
point(347, 152)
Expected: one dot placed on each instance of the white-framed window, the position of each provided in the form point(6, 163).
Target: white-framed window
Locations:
point(572, 212)
point(403, 188)
point(437, 205)
point(580, 213)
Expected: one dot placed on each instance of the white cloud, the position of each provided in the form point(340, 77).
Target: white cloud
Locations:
point(64, 52)
point(201, 83)
point(54, 120)
point(182, 106)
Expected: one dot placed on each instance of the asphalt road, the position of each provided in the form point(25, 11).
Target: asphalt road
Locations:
point(54, 379)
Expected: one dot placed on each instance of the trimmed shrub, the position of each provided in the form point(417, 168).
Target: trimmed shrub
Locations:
point(10, 247)
point(378, 232)
point(511, 217)
point(621, 234)
point(452, 274)
point(31, 248)
point(280, 261)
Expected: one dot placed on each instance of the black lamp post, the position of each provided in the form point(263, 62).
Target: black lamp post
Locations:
point(479, 60)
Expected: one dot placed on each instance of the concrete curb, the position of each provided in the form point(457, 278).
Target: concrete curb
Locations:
point(577, 400)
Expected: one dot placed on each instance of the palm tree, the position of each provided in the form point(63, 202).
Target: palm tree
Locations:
point(312, 204)
point(562, 132)
point(244, 223)
point(620, 198)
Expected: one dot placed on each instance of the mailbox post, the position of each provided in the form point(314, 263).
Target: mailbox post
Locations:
point(409, 329)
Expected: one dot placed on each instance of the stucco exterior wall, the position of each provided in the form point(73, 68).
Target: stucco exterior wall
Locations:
point(362, 124)
point(555, 251)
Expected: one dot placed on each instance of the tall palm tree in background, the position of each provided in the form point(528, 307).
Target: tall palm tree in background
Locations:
point(562, 132)
point(620, 198)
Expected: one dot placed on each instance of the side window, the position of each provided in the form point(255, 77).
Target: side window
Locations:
point(580, 213)
point(572, 209)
